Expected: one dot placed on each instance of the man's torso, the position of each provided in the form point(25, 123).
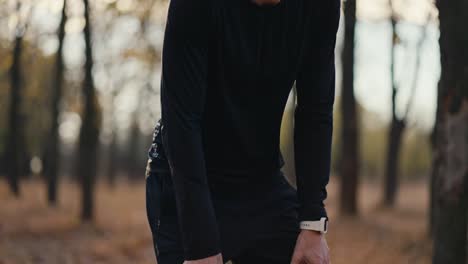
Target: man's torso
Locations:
point(253, 60)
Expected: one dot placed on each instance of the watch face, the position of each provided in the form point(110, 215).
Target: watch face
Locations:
point(325, 225)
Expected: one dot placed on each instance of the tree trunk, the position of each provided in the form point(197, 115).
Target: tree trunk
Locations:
point(112, 149)
point(398, 124)
point(451, 215)
point(436, 163)
point(14, 148)
point(89, 133)
point(112, 161)
point(396, 128)
point(393, 154)
point(133, 166)
point(53, 153)
point(451, 137)
point(349, 167)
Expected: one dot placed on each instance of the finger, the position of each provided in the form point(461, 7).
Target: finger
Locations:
point(309, 260)
point(326, 259)
point(304, 260)
point(326, 244)
point(297, 259)
point(314, 259)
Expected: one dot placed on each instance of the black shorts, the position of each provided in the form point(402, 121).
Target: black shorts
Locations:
point(257, 227)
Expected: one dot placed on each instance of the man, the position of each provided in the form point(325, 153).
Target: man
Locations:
point(215, 191)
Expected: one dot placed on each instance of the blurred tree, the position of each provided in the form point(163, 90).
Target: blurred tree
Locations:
point(89, 132)
point(134, 168)
point(52, 159)
point(398, 124)
point(15, 148)
point(349, 160)
point(112, 149)
point(112, 163)
point(451, 137)
point(142, 52)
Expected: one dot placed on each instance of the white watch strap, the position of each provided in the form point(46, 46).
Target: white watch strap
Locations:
point(315, 225)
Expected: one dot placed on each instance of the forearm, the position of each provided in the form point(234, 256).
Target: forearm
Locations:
point(183, 92)
point(313, 135)
point(313, 126)
point(196, 214)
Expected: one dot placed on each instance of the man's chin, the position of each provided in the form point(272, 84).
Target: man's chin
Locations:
point(266, 2)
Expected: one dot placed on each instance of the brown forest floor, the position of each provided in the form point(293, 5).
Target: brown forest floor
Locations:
point(30, 232)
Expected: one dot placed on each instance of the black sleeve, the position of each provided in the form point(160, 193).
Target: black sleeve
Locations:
point(313, 118)
point(183, 89)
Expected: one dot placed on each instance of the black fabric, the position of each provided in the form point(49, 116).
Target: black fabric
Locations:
point(268, 237)
point(227, 69)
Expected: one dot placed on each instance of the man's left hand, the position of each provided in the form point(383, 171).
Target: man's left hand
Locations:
point(311, 248)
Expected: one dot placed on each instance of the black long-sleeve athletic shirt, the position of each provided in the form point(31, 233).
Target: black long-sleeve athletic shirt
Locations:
point(227, 69)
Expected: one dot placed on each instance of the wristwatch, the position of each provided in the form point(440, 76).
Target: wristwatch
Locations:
point(320, 226)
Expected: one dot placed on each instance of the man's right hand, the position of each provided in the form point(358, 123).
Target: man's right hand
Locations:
point(216, 259)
